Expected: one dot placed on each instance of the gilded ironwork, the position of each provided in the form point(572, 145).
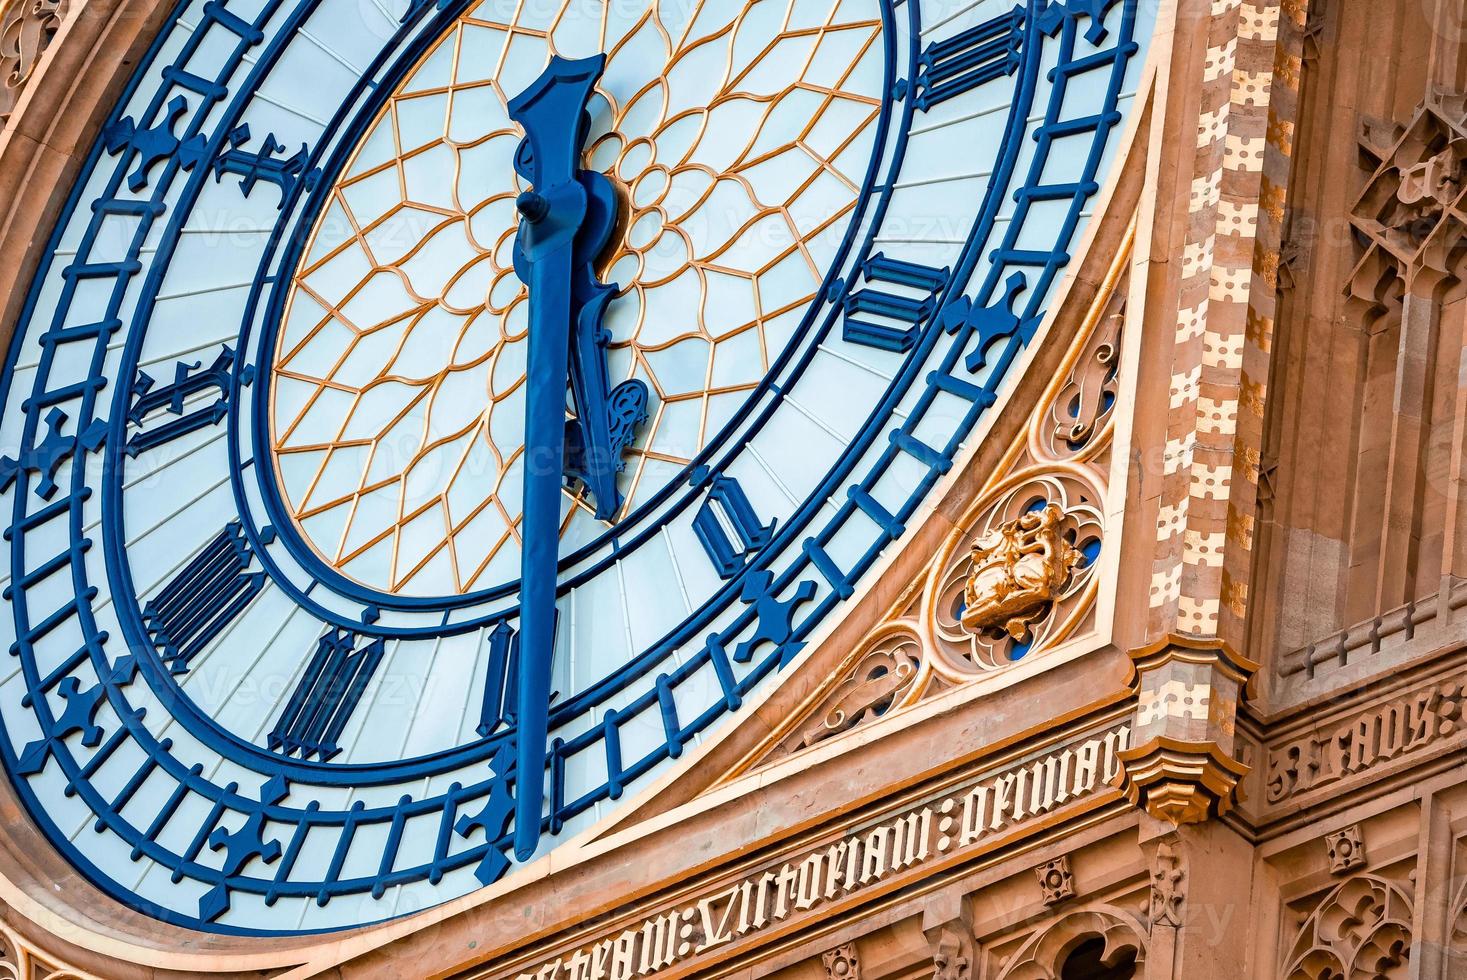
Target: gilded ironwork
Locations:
point(398, 438)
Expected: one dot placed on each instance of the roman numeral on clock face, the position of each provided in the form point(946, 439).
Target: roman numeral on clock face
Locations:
point(728, 528)
point(203, 599)
point(963, 62)
point(326, 696)
point(500, 679)
point(167, 412)
point(890, 320)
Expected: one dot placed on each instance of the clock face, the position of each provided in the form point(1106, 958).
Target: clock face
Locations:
point(395, 362)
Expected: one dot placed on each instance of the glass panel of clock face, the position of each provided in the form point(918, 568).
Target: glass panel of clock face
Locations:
point(263, 426)
point(736, 138)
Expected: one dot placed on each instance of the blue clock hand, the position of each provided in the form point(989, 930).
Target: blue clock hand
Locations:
point(606, 418)
point(553, 212)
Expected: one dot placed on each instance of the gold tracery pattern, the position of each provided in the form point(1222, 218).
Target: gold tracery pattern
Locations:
point(738, 134)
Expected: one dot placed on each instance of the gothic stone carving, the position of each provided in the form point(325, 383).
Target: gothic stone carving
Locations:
point(842, 963)
point(1056, 883)
point(26, 30)
point(951, 960)
point(882, 674)
point(1346, 849)
point(799, 887)
point(1168, 886)
point(1085, 403)
point(1361, 930)
point(1410, 217)
point(1018, 569)
point(1044, 955)
point(1016, 578)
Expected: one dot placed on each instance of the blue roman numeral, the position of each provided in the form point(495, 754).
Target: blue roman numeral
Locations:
point(728, 528)
point(326, 696)
point(964, 61)
point(202, 599)
point(152, 405)
point(500, 685)
point(886, 320)
point(253, 167)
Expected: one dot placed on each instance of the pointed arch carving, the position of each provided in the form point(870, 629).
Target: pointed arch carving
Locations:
point(1360, 931)
point(1043, 956)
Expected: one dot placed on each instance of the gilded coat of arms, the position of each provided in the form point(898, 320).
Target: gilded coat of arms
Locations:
point(1018, 569)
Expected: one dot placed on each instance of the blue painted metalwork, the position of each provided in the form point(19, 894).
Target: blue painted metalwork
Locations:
point(262, 164)
point(566, 220)
point(797, 578)
point(727, 526)
point(326, 695)
point(203, 599)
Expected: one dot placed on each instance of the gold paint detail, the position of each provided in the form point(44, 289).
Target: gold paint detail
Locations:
point(396, 433)
point(1017, 570)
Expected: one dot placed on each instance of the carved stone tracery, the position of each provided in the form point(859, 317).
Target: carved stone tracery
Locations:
point(884, 672)
point(1411, 218)
point(1044, 955)
point(1362, 929)
point(26, 30)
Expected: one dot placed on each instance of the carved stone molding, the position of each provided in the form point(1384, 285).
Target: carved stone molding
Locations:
point(1120, 935)
point(1056, 882)
point(26, 30)
point(842, 963)
point(1346, 849)
point(1168, 886)
point(1361, 930)
point(1181, 767)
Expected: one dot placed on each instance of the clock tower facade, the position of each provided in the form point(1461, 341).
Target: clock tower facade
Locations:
point(591, 490)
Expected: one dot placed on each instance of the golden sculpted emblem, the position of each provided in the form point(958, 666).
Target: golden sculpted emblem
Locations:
point(1019, 568)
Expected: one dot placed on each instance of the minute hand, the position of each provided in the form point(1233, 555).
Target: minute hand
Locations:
point(550, 111)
